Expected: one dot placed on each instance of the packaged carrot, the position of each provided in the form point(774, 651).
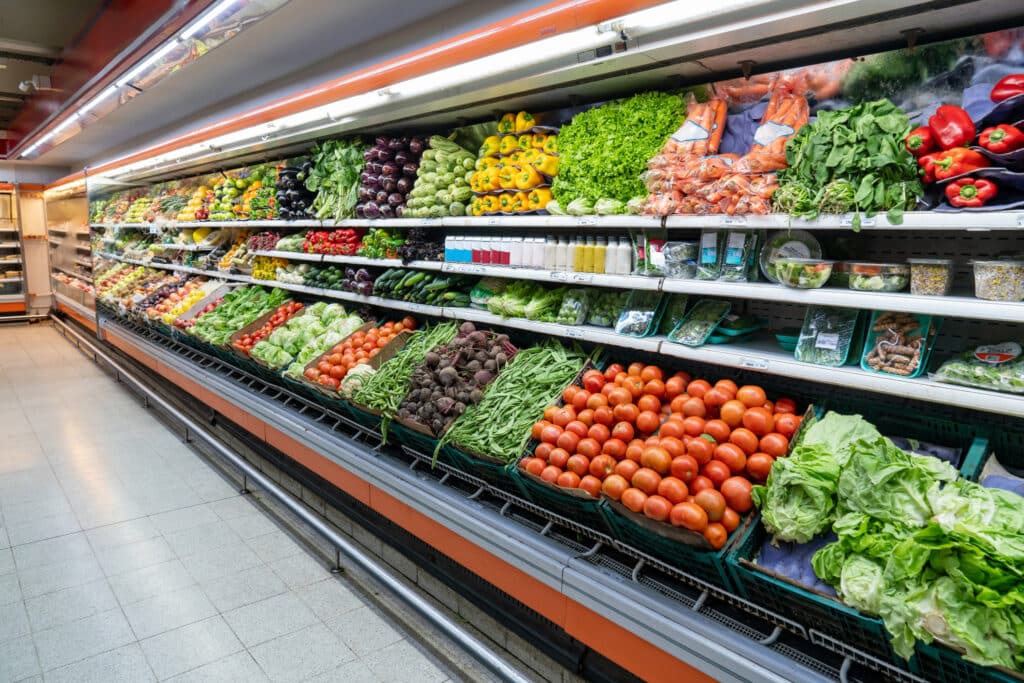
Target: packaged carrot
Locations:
point(785, 115)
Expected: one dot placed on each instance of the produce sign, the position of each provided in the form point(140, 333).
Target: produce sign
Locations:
point(677, 451)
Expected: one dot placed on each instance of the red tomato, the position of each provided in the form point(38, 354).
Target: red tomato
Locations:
point(596, 401)
point(698, 387)
point(588, 447)
point(657, 508)
point(593, 380)
point(689, 516)
point(534, 465)
point(614, 485)
point(745, 439)
point(673, 489)
point(626, 412)
point(785, 405)
point(604, 416)
point(648, 422)
point(674, 446)
point(718, 430)
point(627, 468)
point(716, 470)
point(619, 396)
point(657, 459)
point(611, 371)
point(647, 402)
point(716, 398)
point(568, 440)
point(601, 466)
point(635, 369)
point(730, 520)
point(716, 535)
point(550, 434)
point(694, 407)
point(775, 444)
point(634, 499)
point(646, 480)
point(578, 464)
point(736, 491)
point(684, 468)
point(550, 473)
point(733, 457)
point(674, 386)
point(599, 433)
point(700, 449)
point(623, 431)
point(700, 483)
point(759, 420)
point(538, 427)
point(559, 457)
point(786, 424)
point(751, 396)
point(615, 448)
point(591, 485)
point(578, 428)
point(543, 450)
point(713, 503)
point(732, 413)
point(759, 466)
point(568, 480)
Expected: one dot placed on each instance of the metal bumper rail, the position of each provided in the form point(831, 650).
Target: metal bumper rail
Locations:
point(485, 655)
point(593, 556)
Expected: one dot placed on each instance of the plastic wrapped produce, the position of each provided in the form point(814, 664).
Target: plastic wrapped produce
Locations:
point(828, 335)
point(700, 322)
point(739, 255)
point(898, 343)
point(640, 316)
point(879, 277)
point(675, 311)
point(575, 306)
point(998, 367)
point(605, 307)
point(712, 251)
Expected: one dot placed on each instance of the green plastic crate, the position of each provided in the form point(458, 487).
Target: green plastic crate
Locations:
point(708, 565)
point(804, 606)
point(939, 663)
point(497, 474)
point(364, 418)
point(587, 512)
point(413, 439)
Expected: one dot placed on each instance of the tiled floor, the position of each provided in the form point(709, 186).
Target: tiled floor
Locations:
point(124, 557)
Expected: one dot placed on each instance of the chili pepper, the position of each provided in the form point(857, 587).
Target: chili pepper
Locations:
point(971, 192)
point(920, 141)
point(954, 162)
point(1007, 87)
point(951, 127)
point(1001, 139)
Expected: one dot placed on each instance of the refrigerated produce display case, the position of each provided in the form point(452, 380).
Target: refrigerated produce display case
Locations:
point(12, 261)
point(70, 242)
point(590, 335)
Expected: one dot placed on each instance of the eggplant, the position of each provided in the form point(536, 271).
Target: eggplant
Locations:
point(363, 275)
point(371, 210)
point(390, 170)
point(372, 183)
point(365, 288)
point(404, 185)
point(410, 169)
point(347, 285)
point(384, 154)
point(381, 198)
point(399, 210)
point(359, 211)
point(417, 145)
point(395, 144)
point(291, 195)
point(394, 199)
point(389, 186)
point(405, 141)
point(350, 273)
point(386, 211)
point(402, 157)
point(382, 141)
point(374, 167)
point(364, 177)
point(365, 194)
point(370, 154)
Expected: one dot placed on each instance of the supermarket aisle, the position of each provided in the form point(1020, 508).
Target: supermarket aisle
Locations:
point(123, 556)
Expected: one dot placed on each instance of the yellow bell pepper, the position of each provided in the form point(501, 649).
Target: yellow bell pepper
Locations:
point(513, 159)
point(520, 202)
point(506, 202)
point(547, 164)
point(477, 207)
point(490, 204)
point(524, 121)
point(551, 145)
point(527, 178)
point(477, 180)
point(539, 198)
point(490, 146)
point(491, 181)
point(529, 156)
point(525, 141)
point(507, 123)
point(507, 178)
point(537, 140)
point(509, 144)
point(488, 162)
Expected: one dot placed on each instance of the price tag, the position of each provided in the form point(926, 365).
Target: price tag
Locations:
point(421, 308)
point(587, 220)
point(493, 220)
point(447, 267)
point(755, 363)
point(559, 276)
point(153, 230)
point(827, 341)
point(582, 277)
point(426, 222)
point(1020, 220)
point(572, 332)
point(847, 221)
point(734, 220)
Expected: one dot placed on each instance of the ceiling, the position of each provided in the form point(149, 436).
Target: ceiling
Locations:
point(32, 36)
point(280, 55)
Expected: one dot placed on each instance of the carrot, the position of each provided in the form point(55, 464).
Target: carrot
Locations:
point(719, 111)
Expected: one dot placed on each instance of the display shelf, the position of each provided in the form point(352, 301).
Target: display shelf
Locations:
point(183, 247)
point(55, 243)
point(66, 271)
point(290, 255)
point(82, 235)
point(764, 355)
point(10, 279)
point(83, 247)
point(9, 245)
point(691, 631)
point(350, 260)
point(7, 298)
point(912, 220)
point(77, 307)
point(953, 306)
point(556, 276)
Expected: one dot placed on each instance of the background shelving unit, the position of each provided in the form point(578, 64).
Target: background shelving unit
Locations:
point(67, 225)
point(13, 283)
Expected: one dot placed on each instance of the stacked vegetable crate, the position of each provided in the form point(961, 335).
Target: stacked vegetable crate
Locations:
point(824, 612)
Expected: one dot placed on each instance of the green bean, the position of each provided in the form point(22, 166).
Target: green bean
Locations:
point(500, 424)
point(385, 390)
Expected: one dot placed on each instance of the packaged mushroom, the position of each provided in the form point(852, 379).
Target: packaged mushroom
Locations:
point(899, 343)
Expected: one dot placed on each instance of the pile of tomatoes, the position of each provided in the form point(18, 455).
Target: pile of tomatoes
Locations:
point(678, 451)
point(357, 349)
point(280, 317)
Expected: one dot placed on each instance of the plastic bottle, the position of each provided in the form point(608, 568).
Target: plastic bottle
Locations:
point(589, 251)
point(550, 252)
point(611, 254)
point(564, 255)
point(624, 257)
point(515, 250)
point(578, 251)
point(600, 255)
point(537, 252)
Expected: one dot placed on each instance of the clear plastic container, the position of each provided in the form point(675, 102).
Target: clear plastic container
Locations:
point(712, 251)
point(681, 259)
point(700, 322)
point(803, 273)
point(879, 277)
point(931, 276)
point(828, 335)
point(739, 248)
point(641, 315)
point(840, 276)
point(675, 311)
point(1001, 280)
point(899, 343)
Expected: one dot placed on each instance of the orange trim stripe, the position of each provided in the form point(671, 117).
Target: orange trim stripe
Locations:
point(544, 22)
point(67, 310)
point(621, 646)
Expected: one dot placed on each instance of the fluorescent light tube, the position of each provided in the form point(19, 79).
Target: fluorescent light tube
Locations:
point(203, 21)
point(105, 95)
point(147, 62)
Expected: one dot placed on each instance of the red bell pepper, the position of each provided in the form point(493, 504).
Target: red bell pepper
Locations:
point(1001, 139)
point(971, 192)
point(951, 127)
point(1007, 87)
point(920, 141)
point(952, 162)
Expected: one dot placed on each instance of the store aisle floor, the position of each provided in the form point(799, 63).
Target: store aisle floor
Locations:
point(125, 557)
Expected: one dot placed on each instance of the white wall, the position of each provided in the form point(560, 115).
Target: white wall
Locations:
point(21, 172)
